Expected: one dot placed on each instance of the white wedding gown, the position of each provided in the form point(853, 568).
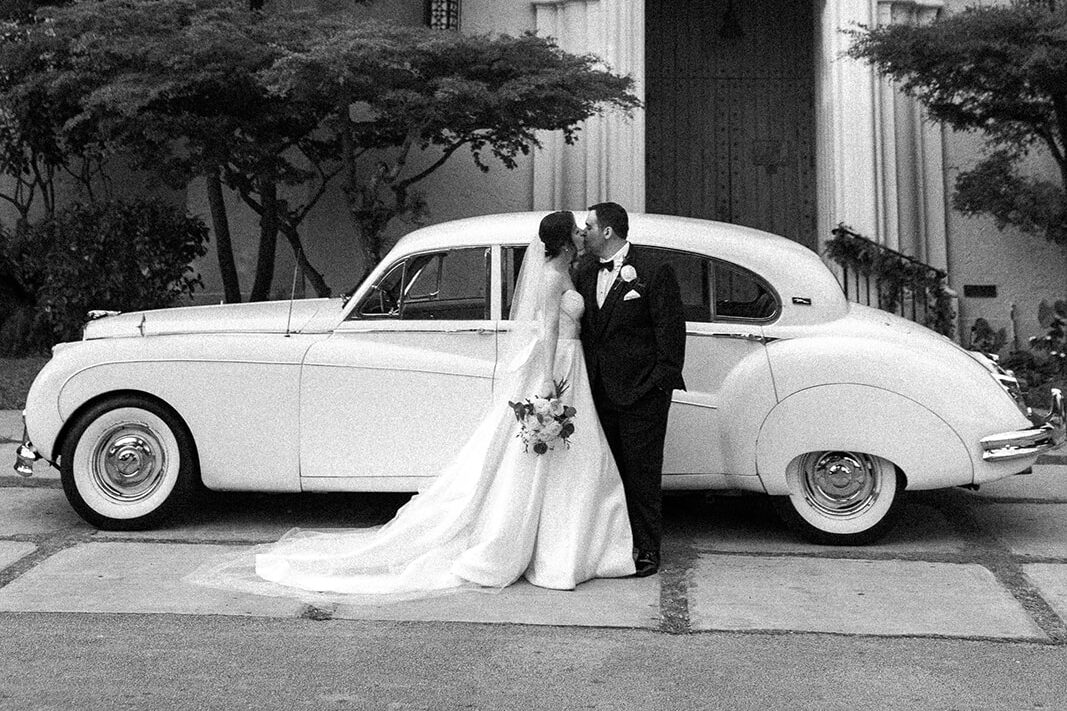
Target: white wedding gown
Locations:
point(494, 514)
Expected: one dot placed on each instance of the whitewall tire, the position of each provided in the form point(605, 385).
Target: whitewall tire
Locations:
point(128, 463)
point(841, 498)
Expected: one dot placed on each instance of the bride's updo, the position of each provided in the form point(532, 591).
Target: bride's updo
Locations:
point(555, 232)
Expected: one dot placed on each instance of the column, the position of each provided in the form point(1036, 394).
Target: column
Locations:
point(910, 148)
point(608, 161)
point(846, 170)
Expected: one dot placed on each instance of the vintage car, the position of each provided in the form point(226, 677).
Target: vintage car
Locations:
point(831, 407)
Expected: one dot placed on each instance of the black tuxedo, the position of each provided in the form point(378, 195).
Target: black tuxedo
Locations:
point(634, 348)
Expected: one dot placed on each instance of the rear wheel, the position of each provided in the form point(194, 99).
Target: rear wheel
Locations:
point(128, 464)
point(841, 498)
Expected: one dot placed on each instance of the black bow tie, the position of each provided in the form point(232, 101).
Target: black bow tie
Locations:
point(609, 265)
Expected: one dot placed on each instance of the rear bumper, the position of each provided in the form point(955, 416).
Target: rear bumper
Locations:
point(1045, 435)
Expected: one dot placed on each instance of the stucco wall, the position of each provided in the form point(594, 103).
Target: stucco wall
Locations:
point(1024, 268)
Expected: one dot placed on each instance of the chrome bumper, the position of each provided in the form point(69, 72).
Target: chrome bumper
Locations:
point(1045, 435)
point(25, 455)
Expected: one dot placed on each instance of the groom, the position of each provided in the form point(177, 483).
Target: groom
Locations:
point(633, 334)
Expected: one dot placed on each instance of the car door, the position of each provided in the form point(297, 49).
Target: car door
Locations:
point(725, 363)
point(398, 387)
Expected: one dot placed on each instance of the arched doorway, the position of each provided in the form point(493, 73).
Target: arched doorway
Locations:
point(730, 112)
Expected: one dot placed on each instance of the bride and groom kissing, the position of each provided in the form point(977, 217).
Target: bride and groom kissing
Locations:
point(611, 325)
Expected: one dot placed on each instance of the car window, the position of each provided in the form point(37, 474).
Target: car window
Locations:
point(384, 297)
point(437, 286)
point(693, 272)
point(740, 294)
point(512, 260)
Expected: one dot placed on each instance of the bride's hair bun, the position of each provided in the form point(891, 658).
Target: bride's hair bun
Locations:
point(555, 232)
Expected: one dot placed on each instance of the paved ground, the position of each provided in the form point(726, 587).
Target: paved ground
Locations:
point(988, 565)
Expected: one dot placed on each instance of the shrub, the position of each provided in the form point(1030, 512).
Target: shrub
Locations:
point(1044, 366)
point(120, 255)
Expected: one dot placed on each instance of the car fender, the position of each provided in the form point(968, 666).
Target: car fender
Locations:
point(861, 418)
point(746, 399)
point(239, 399)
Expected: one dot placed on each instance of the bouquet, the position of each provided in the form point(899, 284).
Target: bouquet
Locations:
point(544, 419)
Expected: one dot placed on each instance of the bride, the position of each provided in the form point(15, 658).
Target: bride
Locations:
point(498, 511)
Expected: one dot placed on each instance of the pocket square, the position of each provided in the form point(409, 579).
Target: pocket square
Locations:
point(631, 294)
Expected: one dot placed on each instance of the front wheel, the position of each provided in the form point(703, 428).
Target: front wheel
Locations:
point(841, 498)
point(127, 464)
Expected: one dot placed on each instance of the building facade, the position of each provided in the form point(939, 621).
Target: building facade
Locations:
point(751, 115)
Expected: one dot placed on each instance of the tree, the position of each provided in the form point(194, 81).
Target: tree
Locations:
point(1000, 70)
point(35, 149)
point(255, 101)
point(394, 91)
point(173, 85)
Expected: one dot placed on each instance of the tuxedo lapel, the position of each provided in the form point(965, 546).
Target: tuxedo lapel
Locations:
point(614, 294)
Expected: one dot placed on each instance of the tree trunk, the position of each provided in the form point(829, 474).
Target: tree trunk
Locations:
point(309, 272)
point(268, 242)
point(223, 246)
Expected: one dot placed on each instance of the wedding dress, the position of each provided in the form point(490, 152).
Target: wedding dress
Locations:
point(494, 514)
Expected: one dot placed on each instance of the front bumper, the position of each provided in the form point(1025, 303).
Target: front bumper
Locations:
point(1045, 435)
point(25, 455)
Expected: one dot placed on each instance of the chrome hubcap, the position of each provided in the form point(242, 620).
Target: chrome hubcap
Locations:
point(128, 462)
point(841, 484)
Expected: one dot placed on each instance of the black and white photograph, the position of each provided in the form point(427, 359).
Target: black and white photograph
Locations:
point(422, 355)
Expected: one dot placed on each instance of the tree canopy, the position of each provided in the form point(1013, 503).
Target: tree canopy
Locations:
point(394, 89)
point(1002, 71)
point(256, 100)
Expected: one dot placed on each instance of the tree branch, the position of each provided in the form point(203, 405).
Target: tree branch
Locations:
point(445, 155)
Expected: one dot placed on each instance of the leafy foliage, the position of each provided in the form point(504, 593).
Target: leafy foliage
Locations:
point(895, 275)
point(1000, 70)
point(1044, 365)
point(394, 89)
point(260, 100)
point(120, 255)
point(986, 339)
point(995, 187)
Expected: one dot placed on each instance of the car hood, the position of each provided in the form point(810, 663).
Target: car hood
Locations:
point(300, 316)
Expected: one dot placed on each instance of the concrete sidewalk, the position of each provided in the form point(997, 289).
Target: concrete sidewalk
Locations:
point(957, 566)
point(990, 564)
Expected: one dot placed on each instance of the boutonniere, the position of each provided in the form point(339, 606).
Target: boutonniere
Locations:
point(628, 273)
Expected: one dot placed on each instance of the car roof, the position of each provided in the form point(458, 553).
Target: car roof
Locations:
point(791, 268)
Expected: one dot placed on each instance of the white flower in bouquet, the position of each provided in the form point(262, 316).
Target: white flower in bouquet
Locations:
point(542, 406)
point(551, 430)
point(543, 420)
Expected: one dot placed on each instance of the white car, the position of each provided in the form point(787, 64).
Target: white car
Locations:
point(794, 392)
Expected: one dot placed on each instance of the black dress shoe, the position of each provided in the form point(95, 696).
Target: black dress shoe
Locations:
point(647, 563)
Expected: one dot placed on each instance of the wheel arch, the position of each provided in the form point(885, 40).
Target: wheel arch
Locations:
point(861, 418)
point(68, 424)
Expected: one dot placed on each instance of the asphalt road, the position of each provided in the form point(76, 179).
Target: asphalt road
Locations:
point(105, 662)
point(963, 606)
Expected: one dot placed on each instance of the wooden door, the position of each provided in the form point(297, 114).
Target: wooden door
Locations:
point(730, 116)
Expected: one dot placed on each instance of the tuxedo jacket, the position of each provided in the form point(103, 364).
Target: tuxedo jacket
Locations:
point(636, 341)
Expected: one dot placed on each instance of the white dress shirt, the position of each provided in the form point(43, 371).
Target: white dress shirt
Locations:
point(605, 278)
